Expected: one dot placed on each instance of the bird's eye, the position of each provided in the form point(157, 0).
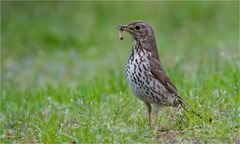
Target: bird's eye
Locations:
point(137, 27)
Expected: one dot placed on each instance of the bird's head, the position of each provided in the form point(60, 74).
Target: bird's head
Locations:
point(139, 30)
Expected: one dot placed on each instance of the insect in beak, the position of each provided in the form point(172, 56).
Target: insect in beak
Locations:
point(121, 30)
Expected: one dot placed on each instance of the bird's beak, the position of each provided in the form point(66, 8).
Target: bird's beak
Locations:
point(124, 28)
point(121, 30)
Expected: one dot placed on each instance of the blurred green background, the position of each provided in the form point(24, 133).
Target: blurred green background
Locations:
point(55, 42)
point(62, 69)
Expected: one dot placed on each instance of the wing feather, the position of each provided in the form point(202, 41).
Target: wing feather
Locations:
point(158, 73)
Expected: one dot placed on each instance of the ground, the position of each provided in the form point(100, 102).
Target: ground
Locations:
point(62, 72)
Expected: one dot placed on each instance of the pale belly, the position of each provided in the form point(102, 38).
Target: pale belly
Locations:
point(144, 85)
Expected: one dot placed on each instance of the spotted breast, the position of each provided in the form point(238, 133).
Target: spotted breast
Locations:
point(141, 81)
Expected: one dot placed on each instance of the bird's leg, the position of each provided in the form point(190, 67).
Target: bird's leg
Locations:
point(149, 109)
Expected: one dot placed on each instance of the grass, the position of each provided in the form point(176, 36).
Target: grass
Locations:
point(62, 72)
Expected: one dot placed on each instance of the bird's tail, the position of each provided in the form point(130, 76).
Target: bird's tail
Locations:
point(186, 107)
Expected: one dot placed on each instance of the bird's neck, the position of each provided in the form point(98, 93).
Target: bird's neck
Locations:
point(145, 46)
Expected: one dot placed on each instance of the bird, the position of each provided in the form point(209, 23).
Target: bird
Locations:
point(144, 72)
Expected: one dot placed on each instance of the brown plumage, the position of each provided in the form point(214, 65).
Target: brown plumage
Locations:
point(145, 75)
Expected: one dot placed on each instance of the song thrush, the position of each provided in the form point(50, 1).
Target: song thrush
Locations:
point(145, 75)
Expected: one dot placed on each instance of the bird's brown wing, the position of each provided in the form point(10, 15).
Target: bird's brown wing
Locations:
point(159, 74)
